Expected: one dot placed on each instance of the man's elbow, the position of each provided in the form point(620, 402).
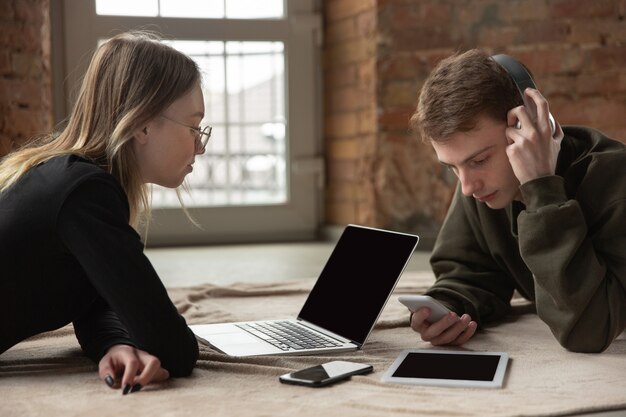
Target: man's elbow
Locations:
point(583, 344)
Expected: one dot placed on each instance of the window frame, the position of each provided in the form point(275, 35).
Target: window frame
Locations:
point(77, 29)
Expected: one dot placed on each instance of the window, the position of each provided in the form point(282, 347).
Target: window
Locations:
point(211, 9)
point(244, 162)
point(260, 176)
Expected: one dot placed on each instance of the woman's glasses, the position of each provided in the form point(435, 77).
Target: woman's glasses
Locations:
point(201, 134)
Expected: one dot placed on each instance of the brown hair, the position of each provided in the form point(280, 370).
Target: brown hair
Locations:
point(459, 89)
point(132, 78)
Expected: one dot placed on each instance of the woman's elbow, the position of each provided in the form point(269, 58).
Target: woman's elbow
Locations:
point(182, 363)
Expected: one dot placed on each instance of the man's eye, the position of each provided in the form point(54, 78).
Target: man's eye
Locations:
point(479, 162)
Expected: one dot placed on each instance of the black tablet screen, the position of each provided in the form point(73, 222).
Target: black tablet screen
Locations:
point(448, 366)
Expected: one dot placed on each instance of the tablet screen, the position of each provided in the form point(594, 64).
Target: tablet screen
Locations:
point(452, 368)
point(448, 366)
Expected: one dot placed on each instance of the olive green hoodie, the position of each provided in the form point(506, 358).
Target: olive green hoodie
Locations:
point(564, 247)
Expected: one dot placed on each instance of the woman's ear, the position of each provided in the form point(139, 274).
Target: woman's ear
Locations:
point(141, 135)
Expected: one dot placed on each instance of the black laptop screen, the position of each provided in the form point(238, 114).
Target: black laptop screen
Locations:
point(357, 280)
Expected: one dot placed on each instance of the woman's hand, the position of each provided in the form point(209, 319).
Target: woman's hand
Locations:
point(130, 368)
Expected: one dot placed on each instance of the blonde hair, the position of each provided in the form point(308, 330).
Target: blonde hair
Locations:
point(131, 79)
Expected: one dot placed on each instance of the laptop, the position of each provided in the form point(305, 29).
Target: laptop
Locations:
point(341, 309)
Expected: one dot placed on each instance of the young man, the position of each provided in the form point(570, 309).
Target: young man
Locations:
point(539, 213)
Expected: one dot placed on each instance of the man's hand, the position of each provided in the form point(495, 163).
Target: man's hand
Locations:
point(532, 150)
point(130, 368)
point(450, 330)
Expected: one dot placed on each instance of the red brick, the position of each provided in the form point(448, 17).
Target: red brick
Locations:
point(617, 133)
point(426, 37)
point(341, 9)
point(495, 36)
point(5, 62)
point(341, 213)
point(394, 119)
point(436, 12)
point(400, 17)
point(551, 61)
point(598, 31)
point(340, 76)
point(367, 121)
point(522, 10)
point(597, 112)
point(397, 136)
point(340, 31)
point(346, 99)
point(26, 65)
point(595, 84)
point(349, 52)
point(355, 148)
point(366, 74)
point(6, 145)
point(403, 66)
point(23, 123)
point(342, 170)
point(399, 94)
point(545, 31)
point(25, 93)
point(367, 24)
point(583, 8)
point(341, 125)
point(554, 85)
point(11, 35)
point(6, 10)
point(29, 12)
point(603, 58)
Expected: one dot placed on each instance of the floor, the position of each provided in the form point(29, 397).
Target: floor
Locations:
point(223, 265)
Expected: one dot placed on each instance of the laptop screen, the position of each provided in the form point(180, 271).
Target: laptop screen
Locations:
point(357, 280)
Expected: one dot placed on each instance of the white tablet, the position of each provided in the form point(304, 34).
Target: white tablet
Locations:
point(449, 368)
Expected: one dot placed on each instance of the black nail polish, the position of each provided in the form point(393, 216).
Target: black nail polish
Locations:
point(109, 381)
point(126, 389)
point(136, 388)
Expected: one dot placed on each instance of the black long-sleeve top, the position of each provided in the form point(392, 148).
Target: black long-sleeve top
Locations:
point(68, 254)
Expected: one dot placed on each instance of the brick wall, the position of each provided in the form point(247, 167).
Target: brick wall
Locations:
point(25, 75)
point(383, 177)
point(350, 109)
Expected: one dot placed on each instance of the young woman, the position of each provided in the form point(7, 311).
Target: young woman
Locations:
point(70, 204)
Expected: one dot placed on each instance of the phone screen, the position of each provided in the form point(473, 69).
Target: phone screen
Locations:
point(325, 373)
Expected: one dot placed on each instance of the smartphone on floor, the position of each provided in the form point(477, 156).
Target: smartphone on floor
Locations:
point(326, 373)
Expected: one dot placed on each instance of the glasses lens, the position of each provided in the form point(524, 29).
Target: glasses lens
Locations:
point(203, 137)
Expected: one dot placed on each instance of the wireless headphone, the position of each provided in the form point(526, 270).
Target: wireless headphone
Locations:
point(522, 80)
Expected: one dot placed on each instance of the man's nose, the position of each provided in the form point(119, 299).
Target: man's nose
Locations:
point(469, 182)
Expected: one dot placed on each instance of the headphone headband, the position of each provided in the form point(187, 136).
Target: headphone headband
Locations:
point(522, 80)
point(517, 71)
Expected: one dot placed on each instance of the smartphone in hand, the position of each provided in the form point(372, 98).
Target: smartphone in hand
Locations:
point(325, 374)
point(415, 302)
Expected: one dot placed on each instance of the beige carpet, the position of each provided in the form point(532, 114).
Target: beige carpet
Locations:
point(48, 376)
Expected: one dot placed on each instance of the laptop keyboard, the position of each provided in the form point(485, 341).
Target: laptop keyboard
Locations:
point(286, 335)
